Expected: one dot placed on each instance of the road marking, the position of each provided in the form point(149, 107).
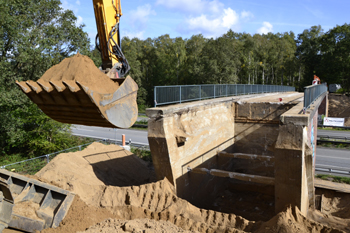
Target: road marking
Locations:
point(89, 136)
point(330, 157)
point(330, 166)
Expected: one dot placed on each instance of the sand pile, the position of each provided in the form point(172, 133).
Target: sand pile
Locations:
point(82, 69)
point(88, 172)
point(116, 185)
point(339, 106)
point(137, 225)
point(97, 173)
point(291, 221)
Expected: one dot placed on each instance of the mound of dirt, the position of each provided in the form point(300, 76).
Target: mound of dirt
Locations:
point(81, 216)
point(97, 173)
point(82, 69)
point(116, 185)
point(137, 225)
point(88, 172)
point(339, 106)
point(291, 221)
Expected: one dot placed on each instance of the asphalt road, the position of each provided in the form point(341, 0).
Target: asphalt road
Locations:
point(136, 136)
point(333, 133)
point(325, 157)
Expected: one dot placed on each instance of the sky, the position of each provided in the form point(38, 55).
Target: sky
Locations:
point(212, 18)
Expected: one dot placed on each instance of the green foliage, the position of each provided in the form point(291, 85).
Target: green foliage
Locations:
point(341, 91)
point(34, 36)
point(37, 34)
point(142, 122)
point(143, 154)
point(338, 179)
point(277, 59)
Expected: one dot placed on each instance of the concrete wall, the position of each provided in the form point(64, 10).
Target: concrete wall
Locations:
point(187, 136)
point(295, 156)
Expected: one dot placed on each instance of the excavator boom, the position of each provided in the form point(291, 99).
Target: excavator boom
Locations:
point(76, 92)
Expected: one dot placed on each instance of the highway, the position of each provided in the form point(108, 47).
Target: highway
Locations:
point(325, 157)
point(333, 133)
point(337, 159)
point(136, 136)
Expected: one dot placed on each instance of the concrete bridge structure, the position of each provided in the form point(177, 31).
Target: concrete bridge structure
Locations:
point(262, 143)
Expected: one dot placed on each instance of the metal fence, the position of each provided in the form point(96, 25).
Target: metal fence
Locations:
point(31, 166)
point(311, 93)
point(179, 94)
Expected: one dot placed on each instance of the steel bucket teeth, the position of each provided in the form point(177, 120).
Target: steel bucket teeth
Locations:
point(71, 102)
point(53, 202)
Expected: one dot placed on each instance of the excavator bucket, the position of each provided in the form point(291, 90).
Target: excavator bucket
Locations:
point(73, 102)
point(30, 205)
point(6, 204)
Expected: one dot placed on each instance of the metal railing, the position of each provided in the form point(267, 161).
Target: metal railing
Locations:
point(332, 169)
point(33, 165)
point(183, 93)
point(311, 93)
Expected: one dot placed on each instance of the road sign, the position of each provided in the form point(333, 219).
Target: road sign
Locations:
point(332, 121)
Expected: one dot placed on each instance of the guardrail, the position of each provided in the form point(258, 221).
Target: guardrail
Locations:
point(311, 93)
point(183, 93)
point(333, 169)
point(33, 164)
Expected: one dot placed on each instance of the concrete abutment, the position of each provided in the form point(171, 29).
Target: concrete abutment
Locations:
point(255, 142)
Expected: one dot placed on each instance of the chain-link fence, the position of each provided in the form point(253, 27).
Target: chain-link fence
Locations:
point(33, 165)
point(178, 94)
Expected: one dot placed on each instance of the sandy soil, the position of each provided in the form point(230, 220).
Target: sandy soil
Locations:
point(82, 69)
point(102, 205)
point(105, 203)
point(137, 225)
point(339, 106)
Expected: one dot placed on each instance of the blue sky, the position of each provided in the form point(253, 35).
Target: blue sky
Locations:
point(212, 18)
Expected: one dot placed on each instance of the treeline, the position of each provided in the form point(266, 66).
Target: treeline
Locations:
point(34, 36)
point(37, 34)
point(279, 59)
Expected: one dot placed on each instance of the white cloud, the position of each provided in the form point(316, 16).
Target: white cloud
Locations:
point(213, 26)
point(266, 28)
point(139, 17)
point(77, 2)
point(79, 20)
point(247, 15)
point(68, 6)
point(193, 6)
point(136, 21)
point(133, 34)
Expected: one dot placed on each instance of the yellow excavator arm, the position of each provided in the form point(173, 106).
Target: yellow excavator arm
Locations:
point(107, 15)
point(76, 92)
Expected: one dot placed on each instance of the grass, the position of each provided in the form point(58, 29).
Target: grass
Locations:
point(139, 128)
point(142, 122)
point(337, 179)
point(143, 154)
point(337, 145)
point(143, 116)
point(32, 166)
point(333, 129)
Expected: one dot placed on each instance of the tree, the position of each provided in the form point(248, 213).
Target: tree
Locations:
point(34, 35)
point(309, 53)
point(335, 63)
point(133, 53)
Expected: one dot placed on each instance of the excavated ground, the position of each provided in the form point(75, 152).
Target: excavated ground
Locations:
point(116, 192)
point(339, 106)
